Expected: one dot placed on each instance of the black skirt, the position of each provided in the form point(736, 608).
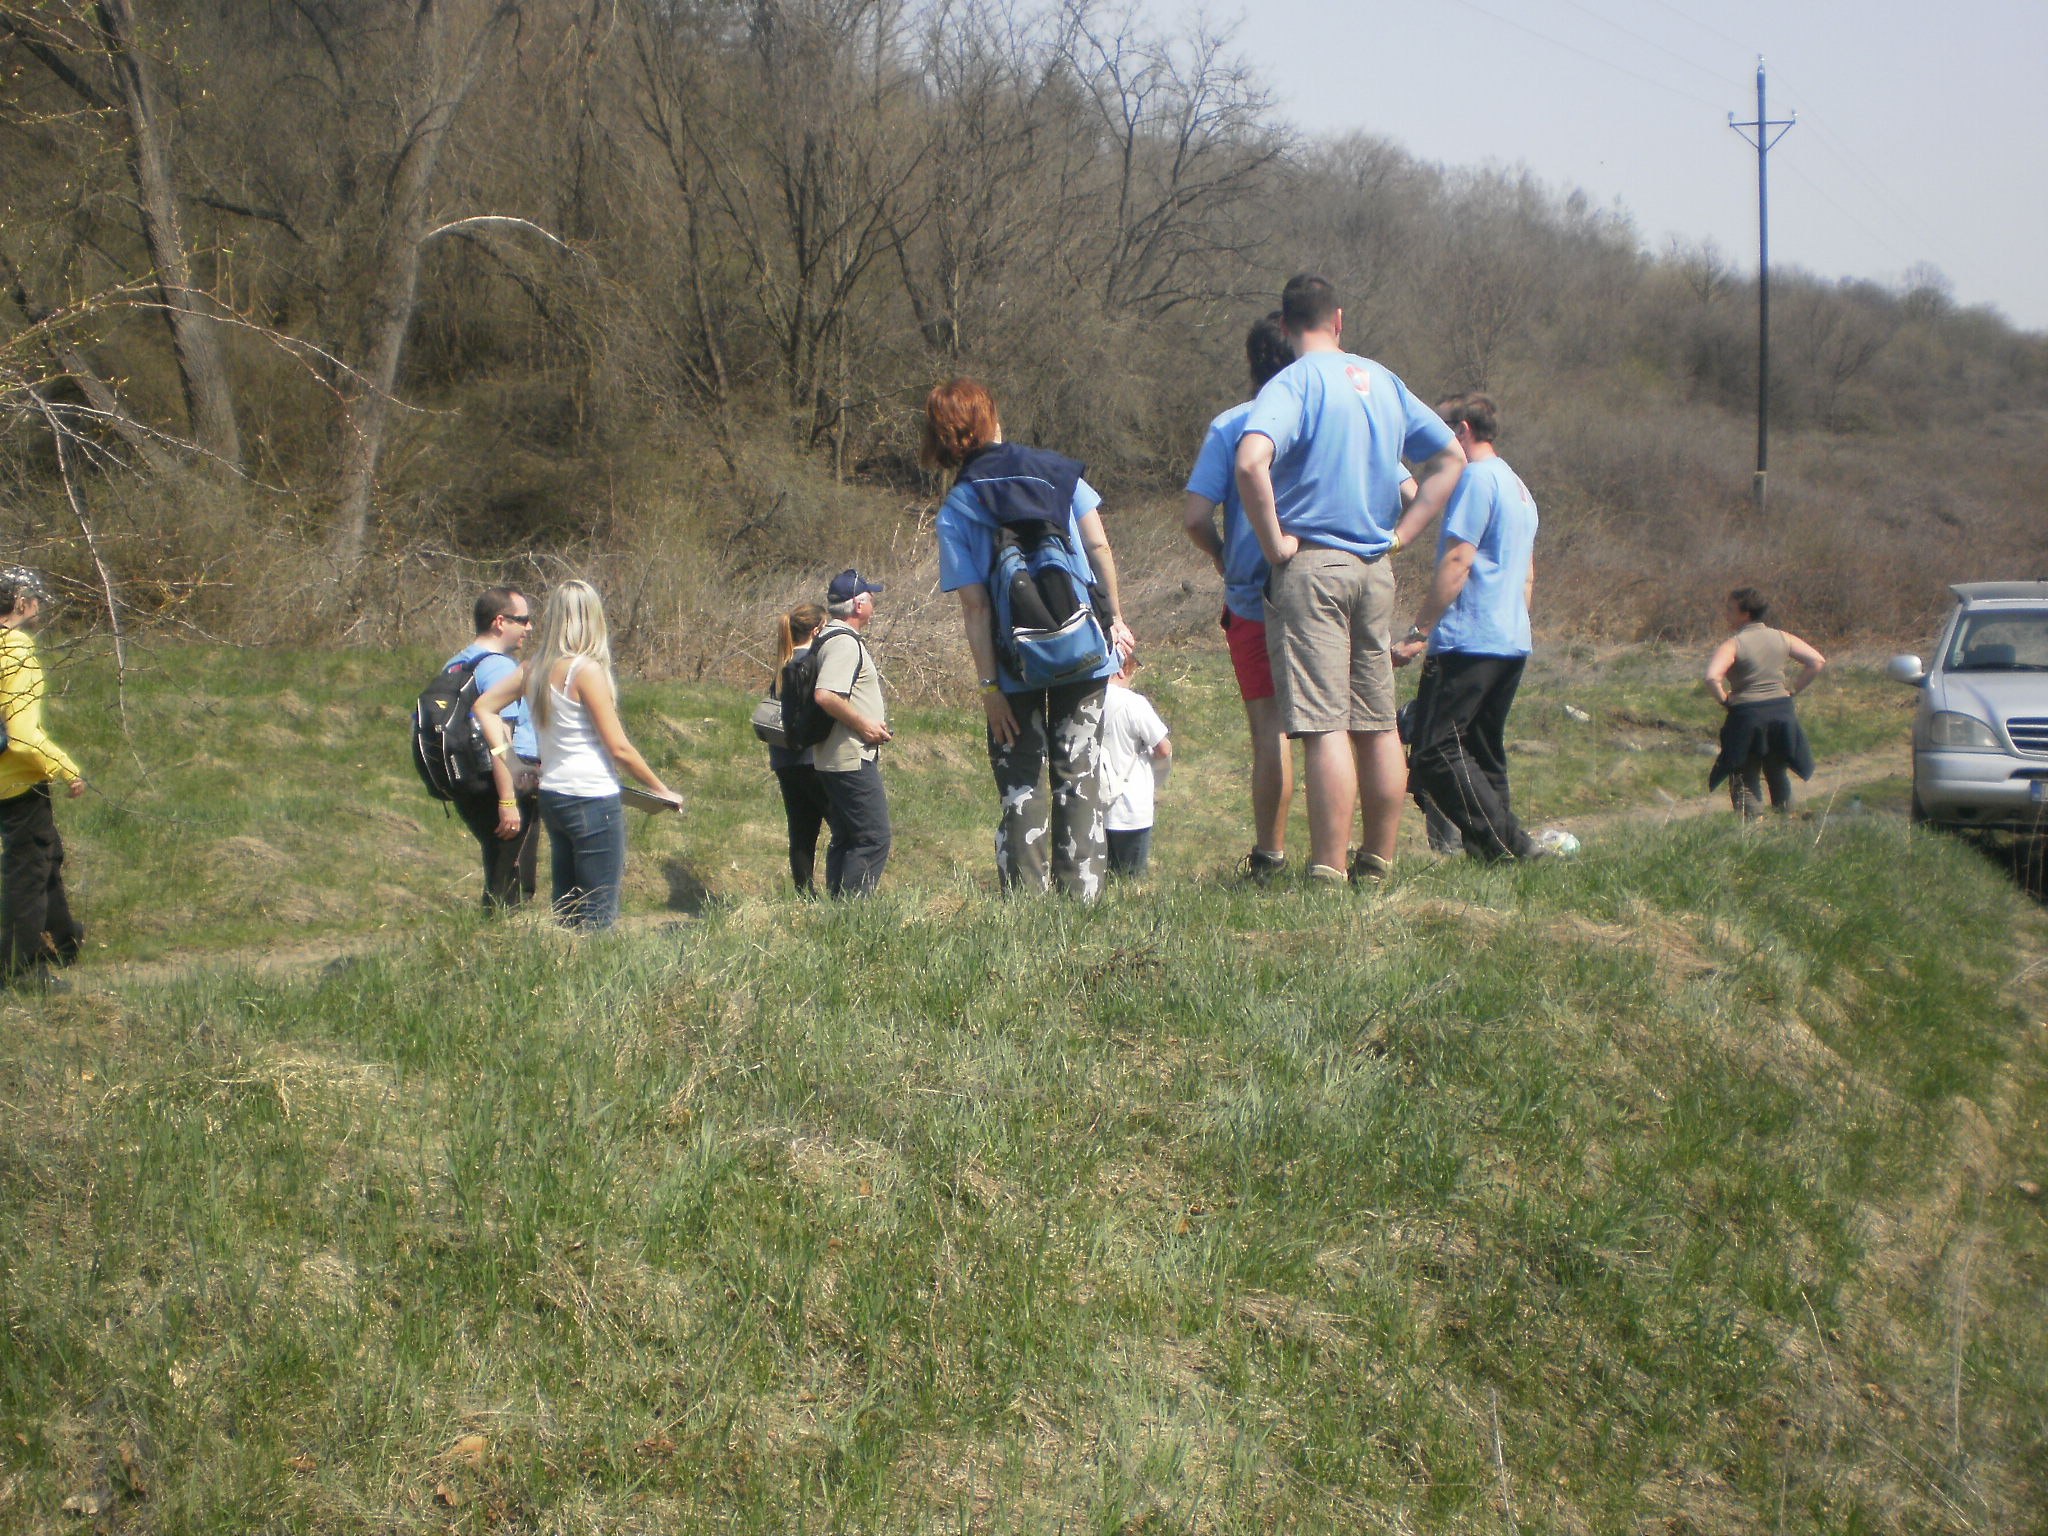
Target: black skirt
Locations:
point(1753, 732)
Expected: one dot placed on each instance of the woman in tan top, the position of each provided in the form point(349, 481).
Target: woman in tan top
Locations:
point(1761, 737)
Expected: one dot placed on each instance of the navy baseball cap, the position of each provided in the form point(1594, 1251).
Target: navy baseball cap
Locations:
point(848, 585)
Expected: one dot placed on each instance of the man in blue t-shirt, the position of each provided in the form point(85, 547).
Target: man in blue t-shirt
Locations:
point(1475, 626)
point(1319, 471)
point(508, 834)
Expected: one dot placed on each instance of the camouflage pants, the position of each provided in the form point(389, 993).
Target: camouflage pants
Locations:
point(1059, 737)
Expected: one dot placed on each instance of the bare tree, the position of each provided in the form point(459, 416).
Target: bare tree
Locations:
point(76, 44)
point(446, 45)
point(1490, 270)
point(1703, 267)
point(1833, 333)
point(675, 64)
point(1188, 139)
point(991, 198)
point(49, 330)
point(811, 188)
point(1362, 204)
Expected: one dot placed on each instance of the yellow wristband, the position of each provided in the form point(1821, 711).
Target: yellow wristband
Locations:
point(991, 687)
point(1396, 547)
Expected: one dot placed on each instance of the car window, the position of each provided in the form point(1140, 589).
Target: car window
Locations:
point(2004, 640)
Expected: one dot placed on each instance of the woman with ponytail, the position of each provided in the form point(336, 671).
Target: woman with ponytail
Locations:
point(803, 798)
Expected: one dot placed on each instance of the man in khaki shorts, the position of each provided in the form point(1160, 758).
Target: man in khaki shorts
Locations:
point(1319, 471)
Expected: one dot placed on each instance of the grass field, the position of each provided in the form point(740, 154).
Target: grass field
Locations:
point(265, 797)
point(1680, 1187)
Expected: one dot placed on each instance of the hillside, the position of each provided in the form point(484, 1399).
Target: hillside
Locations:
point(1687, 1186)
point(313, 321)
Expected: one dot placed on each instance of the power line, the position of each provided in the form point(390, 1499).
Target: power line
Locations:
point(1862, 228)
point(1593, 58)
point(1900, 209)
point(1713, 32)
point(1719, 77)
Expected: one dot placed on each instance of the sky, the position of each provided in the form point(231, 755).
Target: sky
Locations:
point(1915, 142)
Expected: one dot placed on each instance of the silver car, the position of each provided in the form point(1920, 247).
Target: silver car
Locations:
point(1980, 738)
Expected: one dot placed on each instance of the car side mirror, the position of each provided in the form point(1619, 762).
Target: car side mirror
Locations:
point(1907, 670)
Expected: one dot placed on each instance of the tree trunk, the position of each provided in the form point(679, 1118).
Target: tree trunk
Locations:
point(195, 335)
point(434, 96)
point(108, 407)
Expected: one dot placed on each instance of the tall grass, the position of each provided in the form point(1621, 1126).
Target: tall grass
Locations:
point(1203, 1209)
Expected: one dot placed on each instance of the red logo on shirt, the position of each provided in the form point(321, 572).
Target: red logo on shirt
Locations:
point(1360, 379)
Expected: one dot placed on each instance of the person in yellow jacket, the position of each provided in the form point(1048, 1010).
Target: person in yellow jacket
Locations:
point(37, 929)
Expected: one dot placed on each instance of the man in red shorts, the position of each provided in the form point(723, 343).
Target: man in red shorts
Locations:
point(1211, 485)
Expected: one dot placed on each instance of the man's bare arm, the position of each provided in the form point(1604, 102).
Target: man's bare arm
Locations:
point(1451, 574)
point(1255, 490)
point(1198, 521)
point(1433, 486)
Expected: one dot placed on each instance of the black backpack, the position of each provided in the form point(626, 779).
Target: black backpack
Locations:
point(447, 747)
point(804, 721)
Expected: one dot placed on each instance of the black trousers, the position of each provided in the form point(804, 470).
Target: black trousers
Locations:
point(857, 811)
point(38, 927)
point(804, 804)
point(509, 862)
point(1457, 750)
point(1746, 785)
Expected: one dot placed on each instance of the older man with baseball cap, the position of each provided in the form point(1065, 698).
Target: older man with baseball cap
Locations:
point(849, 760)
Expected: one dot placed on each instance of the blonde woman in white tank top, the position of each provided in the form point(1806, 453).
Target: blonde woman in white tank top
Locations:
point(574, 708)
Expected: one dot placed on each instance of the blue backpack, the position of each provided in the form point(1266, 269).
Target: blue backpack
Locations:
point(1048, 624)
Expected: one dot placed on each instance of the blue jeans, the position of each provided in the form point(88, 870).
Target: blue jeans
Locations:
point(587, 837)
point(1130, 853)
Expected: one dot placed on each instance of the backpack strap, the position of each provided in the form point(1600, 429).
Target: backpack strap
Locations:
point(818, 646)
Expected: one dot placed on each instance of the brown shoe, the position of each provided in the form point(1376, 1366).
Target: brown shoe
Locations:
point(1369, 868)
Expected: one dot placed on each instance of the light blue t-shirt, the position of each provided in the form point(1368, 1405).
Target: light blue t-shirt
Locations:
point(967, 553)
point(491, 671)
point(1493, 512)
point(1340, 425)
point(1214, 478)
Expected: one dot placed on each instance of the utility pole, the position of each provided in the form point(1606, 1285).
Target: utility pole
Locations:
point(1760, 133)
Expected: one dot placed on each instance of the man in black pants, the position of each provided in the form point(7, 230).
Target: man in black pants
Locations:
point(504, 619)
point(849, 760)
point(1475, 626)
point(38, 930)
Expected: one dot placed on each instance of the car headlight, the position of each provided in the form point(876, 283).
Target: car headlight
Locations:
point(1961, 732)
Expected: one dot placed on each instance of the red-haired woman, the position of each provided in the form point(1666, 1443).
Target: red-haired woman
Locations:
point(1050, 733)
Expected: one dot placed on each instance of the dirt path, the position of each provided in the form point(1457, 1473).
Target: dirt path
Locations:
point(1824, 794)
point(265, 959)
point(283, 959)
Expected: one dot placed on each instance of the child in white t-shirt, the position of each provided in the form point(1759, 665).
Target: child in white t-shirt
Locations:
point(1135, 758)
